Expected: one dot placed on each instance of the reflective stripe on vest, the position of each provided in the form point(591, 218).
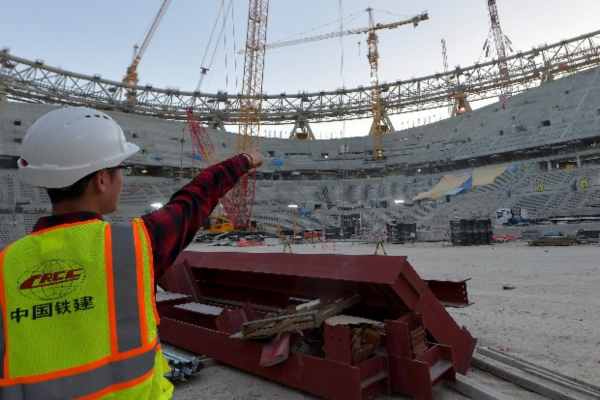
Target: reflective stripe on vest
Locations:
point(2, 344)
point(136, 366)
point(125, 277)
point(83, 384)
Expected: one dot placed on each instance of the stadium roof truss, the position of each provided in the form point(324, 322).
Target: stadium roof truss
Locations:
point(33, 81)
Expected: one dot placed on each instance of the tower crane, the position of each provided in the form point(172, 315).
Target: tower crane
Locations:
point(381, 123)
point(250, 108)
point(131, 78)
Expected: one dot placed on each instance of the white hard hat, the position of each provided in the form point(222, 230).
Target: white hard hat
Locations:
point(67, 144)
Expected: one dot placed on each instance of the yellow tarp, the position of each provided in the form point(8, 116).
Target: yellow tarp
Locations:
point(486, 176)
point(448, 182)
point(421, 196)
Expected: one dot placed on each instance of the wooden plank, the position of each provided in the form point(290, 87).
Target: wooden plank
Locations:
point(291, 319)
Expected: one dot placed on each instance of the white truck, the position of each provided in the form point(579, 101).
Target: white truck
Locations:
point(511, 216)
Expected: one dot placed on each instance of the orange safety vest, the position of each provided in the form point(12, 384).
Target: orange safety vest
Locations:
point(78, 315)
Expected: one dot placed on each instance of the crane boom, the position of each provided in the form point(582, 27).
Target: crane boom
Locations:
point(131, 78)
point(414, 20)
point(157, 19)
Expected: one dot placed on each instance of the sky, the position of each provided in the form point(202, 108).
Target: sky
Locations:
point(97, 37)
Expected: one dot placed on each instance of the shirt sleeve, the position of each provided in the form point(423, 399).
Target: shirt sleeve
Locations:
point(173, 227)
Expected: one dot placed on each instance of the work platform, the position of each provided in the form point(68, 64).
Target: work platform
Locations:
point(338, 326)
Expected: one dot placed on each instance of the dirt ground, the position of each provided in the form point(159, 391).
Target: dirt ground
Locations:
point(537, 303)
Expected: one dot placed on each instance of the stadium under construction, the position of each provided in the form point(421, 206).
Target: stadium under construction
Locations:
point(538, 151)
point(531, 155)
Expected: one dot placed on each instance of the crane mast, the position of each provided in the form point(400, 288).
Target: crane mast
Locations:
point(445, 63)
point(380, 125)
point(501, 50)
point(373, 55)
point(131, 78)
point(250, 108)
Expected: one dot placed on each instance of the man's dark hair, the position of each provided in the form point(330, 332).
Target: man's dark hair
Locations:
point(76, 190)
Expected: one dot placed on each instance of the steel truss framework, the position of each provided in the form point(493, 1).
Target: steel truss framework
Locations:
point(32, 81)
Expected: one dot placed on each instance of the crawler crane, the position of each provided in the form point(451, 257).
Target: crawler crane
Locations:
point(238, 203)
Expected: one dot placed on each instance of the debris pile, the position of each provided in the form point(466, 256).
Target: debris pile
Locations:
point(183, 364)
point(504, 238)
point(553, 239)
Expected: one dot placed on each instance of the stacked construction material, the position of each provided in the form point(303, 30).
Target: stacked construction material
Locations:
point(471, 232)
point(588, 235)
point(401, 233)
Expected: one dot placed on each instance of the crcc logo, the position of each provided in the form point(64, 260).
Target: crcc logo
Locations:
point(52, 279)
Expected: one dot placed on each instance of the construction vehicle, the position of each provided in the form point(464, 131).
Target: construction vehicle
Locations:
point(217, 223)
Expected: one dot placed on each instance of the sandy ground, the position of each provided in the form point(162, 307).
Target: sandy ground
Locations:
point(551, 316)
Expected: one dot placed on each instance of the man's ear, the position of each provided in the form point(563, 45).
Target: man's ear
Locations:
point(100, 180)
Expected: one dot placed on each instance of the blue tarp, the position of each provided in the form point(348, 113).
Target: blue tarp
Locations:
point(277, 162)
point(466, 184)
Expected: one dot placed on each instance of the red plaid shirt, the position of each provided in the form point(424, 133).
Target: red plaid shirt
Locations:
point(173, 227)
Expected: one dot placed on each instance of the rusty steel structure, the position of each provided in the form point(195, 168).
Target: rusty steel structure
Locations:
point(417, 344)
point(34, 81)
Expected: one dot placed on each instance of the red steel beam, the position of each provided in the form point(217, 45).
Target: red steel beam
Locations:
point(247, 285)
point(326, 378)
point(389, 286)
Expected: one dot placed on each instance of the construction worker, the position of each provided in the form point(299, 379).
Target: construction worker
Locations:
point(77, 294)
